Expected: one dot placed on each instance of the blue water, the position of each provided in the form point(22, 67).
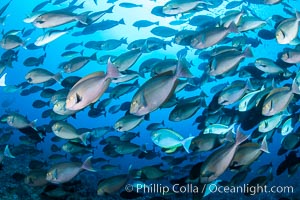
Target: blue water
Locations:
point(18, 10)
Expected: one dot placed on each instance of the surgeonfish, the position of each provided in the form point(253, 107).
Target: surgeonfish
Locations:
point(287, 30)
point(55, 18)
point(156, 91)
point(217, 162)
point(90, 88)
point(64, 172)
point(170, 140)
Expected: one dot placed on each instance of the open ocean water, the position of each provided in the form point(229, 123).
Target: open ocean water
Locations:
point(179, 99)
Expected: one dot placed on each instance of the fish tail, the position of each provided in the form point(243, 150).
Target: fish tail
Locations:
point(229, 137)
point(3, 80)
point(264, 146)
point(239, 138)
point(112, 70)
point(136, 83)
point(7, 152)
point(233, 28)
point(298, 15)
point(84, 137)
point(87, 165)
point(94, 56)
point(124, 40)
point(186, 143)
point(295, 86)
point(81, 52)
point(57, 76)
point(248, 53)
point(110, 9)
point(83, 18)
point(249, 85)
point(33, 124)
point(121, 21)
point(182, 71)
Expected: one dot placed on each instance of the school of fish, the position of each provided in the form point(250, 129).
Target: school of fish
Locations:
point(203, 70)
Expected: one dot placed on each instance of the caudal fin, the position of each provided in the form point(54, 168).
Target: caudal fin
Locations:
point(298, 15)
point(57, 77)
point(240, 137)
point(264, 145)
point(84, 137)
point(182, 71)
point(94, 56)
point(248, 53)
point(2, 80)
point(233, 28)
point(33, 124)
point(83, 18)
point(7, 152)
point(87, 165)
point(186, 143)
point(112, 70)
point(296, 84)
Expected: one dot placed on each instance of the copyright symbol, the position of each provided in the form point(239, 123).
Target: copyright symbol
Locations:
point(129, 188)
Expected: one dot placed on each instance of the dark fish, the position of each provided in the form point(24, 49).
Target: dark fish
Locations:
point(203, 21)
point(94, 45)
point(144, 23)
point(40, 104)
point(35, 89)
point(266, 34)
point(27, 32)
point(40, 6)
point(290, 160)
point(164, 31)
point(233, 4)
point(130, 5)
point(113, 44)
point(36, 164)
point(47, 93)
point(33, 133)
point(103, 25)
point(46, 113)
point(32, 46)
point(34, 61)
point(70, 81)
point(25, 92)
point(73, 45)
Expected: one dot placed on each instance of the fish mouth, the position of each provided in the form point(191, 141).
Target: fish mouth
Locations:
point(39, 22)
point(29, 80)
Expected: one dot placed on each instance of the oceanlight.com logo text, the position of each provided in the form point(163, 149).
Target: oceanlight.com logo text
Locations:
point(207, 188)
point(251, 190)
